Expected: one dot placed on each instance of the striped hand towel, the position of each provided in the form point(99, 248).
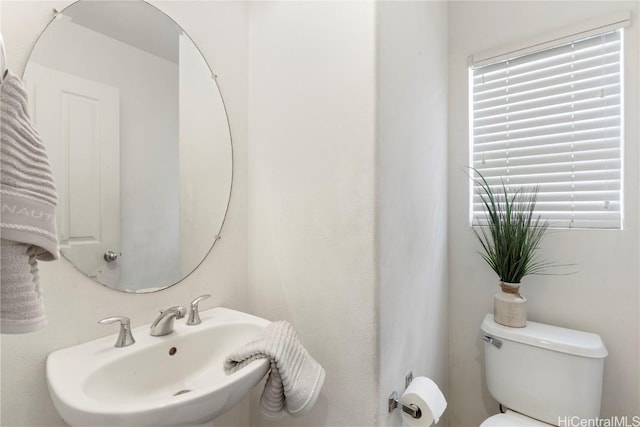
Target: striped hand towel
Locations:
point(27, 221)
point(295, 380)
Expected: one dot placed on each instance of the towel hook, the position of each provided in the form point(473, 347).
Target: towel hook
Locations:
point(3, 59)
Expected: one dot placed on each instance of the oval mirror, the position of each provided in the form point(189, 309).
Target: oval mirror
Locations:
point(138, 139)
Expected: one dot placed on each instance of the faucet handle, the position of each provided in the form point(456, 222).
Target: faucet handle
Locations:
point(125, 338)
point(194, 315)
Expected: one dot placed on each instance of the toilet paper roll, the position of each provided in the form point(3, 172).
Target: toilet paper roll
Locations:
point(426, 395)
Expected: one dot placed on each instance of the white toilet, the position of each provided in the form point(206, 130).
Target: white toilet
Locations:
point(542, 374)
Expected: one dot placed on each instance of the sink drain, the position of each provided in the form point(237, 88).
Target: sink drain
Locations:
point(181, 392)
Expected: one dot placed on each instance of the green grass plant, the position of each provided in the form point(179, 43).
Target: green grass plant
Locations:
point(512, 232)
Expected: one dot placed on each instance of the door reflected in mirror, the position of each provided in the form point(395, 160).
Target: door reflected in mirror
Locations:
point(139, 142)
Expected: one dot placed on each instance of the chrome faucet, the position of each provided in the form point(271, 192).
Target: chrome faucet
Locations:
point(125, 339)
point(194, 314)
point(163, 325)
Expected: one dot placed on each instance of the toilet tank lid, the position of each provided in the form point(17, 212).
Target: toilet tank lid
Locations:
point(549, 337)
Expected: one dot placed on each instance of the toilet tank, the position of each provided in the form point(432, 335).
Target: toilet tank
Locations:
point(543, 371)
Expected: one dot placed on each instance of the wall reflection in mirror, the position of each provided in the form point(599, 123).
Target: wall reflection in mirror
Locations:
point(139, 142)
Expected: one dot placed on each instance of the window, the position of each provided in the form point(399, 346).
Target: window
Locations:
point(553, 117)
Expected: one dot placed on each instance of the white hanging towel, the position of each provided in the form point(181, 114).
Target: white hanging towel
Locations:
point(27, 220)
point(295, 380)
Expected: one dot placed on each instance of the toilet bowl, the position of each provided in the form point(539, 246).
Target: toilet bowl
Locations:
point(542, 373)
point(511, 419)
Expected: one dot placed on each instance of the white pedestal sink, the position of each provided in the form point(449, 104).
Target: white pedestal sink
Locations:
point(174, 380)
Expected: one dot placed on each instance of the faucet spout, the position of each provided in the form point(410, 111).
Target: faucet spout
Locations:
point(163, 325)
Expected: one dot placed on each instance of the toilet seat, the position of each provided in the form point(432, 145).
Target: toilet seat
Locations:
point(511, 419)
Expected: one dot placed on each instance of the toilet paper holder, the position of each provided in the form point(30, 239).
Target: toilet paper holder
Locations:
point(413, 410)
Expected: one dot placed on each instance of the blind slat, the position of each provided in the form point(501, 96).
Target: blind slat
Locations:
point(558, 177)
point(583, 60)
point(562, 160)
point(533, 92)
point(584, 165)
point(594, 207)
point(519, 88)
point(559, 147)
point(553, 129)
point(566, 117)
point(548, 110)
point(579, 196)
point(499, 106)
point(589, 134)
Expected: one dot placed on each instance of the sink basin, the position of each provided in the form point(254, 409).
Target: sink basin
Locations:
point(174, 380)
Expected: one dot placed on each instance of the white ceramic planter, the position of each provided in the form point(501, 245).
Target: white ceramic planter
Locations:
point(509, 307)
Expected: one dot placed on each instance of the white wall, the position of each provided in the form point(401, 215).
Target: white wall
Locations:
point(311, 193)
point(412, 196)
point(74, 303)
point(603, 297)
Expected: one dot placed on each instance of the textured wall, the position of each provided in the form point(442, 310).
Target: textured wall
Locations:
point(311, 193)
point(412, 196)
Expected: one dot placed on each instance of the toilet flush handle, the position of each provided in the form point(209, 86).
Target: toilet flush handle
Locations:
point(493, 341)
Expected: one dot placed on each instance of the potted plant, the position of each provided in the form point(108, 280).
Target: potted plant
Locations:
point(509, 239)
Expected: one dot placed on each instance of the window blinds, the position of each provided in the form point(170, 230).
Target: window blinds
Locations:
point(554, 118)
